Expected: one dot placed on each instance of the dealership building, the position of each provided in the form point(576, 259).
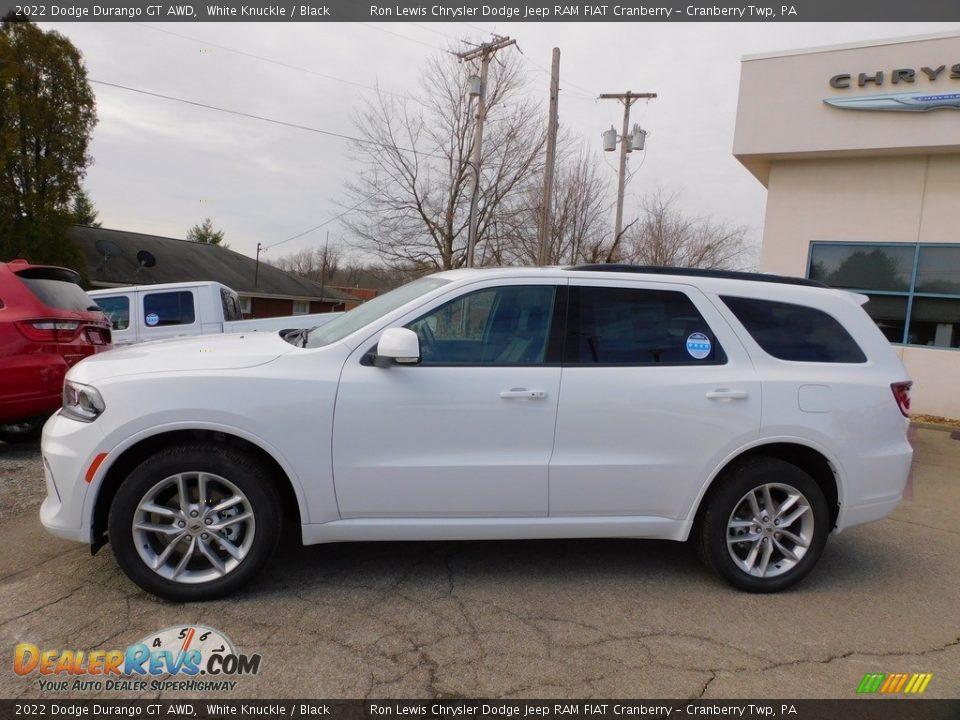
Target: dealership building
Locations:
point(859, 149)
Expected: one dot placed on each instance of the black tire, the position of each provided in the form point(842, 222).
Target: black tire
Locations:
point(242, 471)
point(23, 431)
point(730, 490)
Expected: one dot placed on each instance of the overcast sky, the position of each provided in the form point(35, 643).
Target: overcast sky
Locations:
point(162, 166)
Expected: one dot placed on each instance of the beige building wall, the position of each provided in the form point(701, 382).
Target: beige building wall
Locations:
point(856, 176)
point(887, 199)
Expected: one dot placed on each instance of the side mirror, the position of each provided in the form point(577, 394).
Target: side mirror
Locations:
point(397, 346)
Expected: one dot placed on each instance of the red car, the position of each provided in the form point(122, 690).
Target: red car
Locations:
point(47, 325)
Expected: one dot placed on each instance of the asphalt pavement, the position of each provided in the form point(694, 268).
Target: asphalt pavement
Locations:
point(547, 619)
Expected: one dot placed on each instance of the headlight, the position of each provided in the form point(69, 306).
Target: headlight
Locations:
point(82, 402)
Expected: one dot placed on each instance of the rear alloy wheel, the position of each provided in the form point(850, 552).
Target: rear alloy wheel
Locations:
point(194, 522)
point(766, 525)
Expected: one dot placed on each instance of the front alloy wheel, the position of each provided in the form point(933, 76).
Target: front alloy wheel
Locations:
point(764, 525)
point(194, 527)
point(195, 522)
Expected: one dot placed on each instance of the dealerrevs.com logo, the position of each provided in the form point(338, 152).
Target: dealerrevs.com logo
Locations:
point(187, 658)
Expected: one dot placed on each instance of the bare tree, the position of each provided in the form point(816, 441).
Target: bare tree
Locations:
point(579, 223)
point(663, 235)
point(412, 195)
point(317, 264)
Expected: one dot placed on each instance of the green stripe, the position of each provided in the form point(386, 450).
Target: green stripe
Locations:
point(871, 682)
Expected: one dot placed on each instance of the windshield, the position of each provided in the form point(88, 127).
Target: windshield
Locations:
point(371, 311)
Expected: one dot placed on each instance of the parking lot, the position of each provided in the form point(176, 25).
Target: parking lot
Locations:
point(527, 619)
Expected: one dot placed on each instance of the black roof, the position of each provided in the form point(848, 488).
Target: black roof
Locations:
point(185, 261)
point(696, 272)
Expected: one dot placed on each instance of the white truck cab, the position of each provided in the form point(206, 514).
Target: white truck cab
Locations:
point(140, 313)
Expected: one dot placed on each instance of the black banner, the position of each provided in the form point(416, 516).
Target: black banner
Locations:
point(858, 709)
point(485, 10)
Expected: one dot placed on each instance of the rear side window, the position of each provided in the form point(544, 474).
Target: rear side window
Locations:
point(795, 332)
point(628, 326)
point(58, 294)
point(231, 305)
point(168, 308)
point(117, 309)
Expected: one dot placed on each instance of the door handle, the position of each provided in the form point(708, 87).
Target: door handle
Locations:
point(723, 394)
point(523, 393)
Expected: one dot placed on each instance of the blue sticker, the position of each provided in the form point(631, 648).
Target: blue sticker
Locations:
point(152, 319)
point(698, 346)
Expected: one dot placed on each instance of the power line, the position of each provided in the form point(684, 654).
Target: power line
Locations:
point(251, 116)
point(279, 63)
point(589, 96)
point(406, 37)
point(323, 224)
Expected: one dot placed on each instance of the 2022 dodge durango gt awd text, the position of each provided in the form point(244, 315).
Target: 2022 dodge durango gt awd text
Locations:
point(751, 414)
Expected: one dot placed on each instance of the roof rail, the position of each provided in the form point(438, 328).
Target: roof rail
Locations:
point(695, 272)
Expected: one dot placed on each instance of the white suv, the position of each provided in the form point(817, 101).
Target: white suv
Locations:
point(752, 414)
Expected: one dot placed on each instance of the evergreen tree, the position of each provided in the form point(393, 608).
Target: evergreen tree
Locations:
point(204, 233)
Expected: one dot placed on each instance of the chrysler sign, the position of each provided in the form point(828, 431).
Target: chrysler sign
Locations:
point(913, 101)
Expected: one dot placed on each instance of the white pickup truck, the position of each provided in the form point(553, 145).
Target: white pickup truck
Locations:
point(139, 313)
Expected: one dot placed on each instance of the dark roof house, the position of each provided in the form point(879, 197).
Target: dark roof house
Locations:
point(116, 258)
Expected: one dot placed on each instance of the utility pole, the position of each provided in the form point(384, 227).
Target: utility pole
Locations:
point(628, 98)
point(256, 267)
point(484, 52)
point(547, 205)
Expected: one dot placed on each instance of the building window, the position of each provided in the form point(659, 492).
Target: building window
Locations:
point(914, 289)
point(301, 307)
point(246, 305)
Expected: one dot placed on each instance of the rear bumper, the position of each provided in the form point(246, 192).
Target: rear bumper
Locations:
point(17, 410)
point(875, 486)
point(868, 513)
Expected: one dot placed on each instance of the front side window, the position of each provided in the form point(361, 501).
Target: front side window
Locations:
point(507, 325)
point(795, 332)
point(630, 326)
point(168, 308)
point(117, 309)
point(914, 289)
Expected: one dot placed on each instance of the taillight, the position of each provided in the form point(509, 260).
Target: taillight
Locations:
point(49, 330)
point(901, 393)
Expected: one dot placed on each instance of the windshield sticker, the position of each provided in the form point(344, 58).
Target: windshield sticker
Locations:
point(698, 345)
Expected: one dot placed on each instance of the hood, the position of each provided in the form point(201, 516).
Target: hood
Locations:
point(200, 352)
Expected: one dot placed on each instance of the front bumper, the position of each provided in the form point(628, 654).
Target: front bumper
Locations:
point(68, 448)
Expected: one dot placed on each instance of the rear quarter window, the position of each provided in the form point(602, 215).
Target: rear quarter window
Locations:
point(231, 305)
point(795, 332)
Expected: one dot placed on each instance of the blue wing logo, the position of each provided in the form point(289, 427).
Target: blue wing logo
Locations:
point(898, 102)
